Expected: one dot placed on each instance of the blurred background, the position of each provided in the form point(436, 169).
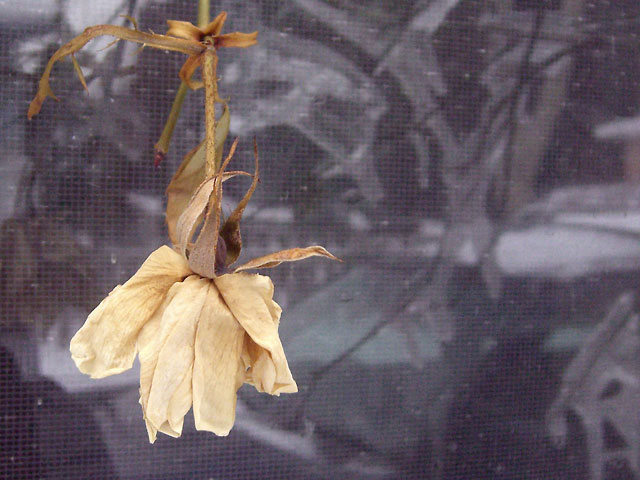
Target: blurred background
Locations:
point(475, 163)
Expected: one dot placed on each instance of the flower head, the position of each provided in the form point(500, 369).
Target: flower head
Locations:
point(200, 333)
point(211, 33)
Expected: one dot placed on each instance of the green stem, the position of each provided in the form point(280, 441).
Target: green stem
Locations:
point(162, 146)
point(203, 13)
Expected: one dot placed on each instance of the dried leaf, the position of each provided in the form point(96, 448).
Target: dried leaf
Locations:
point(190, 175)
point(106, 343)
point(290, 255)
point(230, 231)
point(163, 42)
point(250, 299)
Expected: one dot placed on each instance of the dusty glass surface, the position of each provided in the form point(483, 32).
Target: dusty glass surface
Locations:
point(476, 165)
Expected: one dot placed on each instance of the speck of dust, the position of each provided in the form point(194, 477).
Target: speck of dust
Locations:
point(113, 258)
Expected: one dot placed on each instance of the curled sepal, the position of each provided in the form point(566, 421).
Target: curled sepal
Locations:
point(290, 255)
point(163, 42)
point(230, 231)
point(190, 175)
point(189, 31)
point(202, 256)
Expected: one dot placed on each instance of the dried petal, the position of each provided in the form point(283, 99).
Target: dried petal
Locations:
point(167, 397)
point(250, 299)
point(218, 371)
point(290, 255)
point(106, 343)
point(190, 175)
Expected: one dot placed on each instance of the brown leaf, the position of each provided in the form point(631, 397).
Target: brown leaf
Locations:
point(290, 255)
point(163, 42)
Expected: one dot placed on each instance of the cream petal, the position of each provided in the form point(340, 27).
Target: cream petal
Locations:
point(218, 371)
point(250, 299)
point(148, 344)
point(169, 397)
point(106, 343)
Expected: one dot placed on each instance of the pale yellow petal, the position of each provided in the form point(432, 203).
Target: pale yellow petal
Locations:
point(290, 255)
point(106, 343)
point(218, 371)
point(170, 394)
point(148, 344)
point(250, 299)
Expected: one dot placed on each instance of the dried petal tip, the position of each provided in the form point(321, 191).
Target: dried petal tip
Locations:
point(290, 255)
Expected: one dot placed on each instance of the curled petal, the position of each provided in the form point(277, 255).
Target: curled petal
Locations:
point(250, 299)
point(236, 39)
point(218, 371)
point(167, 355)
point(290, 255)
point(106, 343)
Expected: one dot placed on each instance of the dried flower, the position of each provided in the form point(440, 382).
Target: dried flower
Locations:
point(199, 334)
point(198, 339)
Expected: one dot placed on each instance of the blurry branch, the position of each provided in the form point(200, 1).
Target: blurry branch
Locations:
point(582, 364)
point(529, 136)
point(602, 386)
